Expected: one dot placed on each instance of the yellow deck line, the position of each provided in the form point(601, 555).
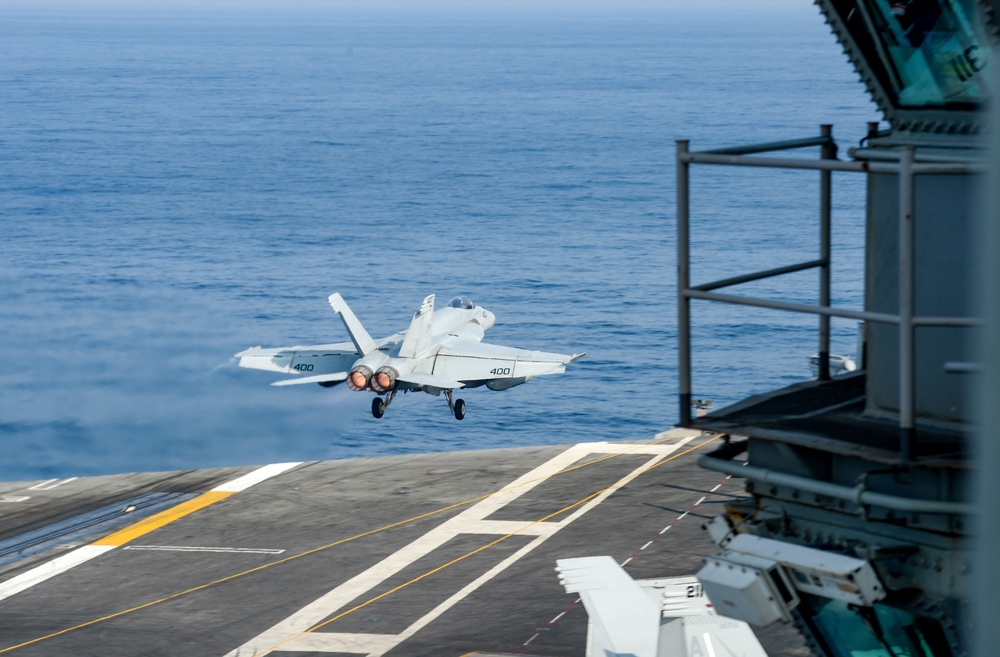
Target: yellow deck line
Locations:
point(162, 518)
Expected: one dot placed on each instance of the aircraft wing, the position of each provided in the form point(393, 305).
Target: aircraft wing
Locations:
point(466, 360)
point(334, 377)
point(310, 360)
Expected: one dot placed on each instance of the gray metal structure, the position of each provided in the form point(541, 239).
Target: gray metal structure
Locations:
point(984, 596)
point(876, 465)
point(881, 292)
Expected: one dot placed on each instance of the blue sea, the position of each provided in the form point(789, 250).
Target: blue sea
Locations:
point(176, 187)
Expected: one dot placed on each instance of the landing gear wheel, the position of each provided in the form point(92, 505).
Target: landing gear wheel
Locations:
point(378, 406)
point(459, 409)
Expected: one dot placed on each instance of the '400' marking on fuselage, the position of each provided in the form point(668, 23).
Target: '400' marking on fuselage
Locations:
point(500, 371)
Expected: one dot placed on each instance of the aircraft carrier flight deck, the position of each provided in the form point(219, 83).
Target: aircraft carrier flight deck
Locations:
point(440, 554)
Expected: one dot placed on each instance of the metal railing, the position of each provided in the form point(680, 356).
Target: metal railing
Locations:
point(827, 163)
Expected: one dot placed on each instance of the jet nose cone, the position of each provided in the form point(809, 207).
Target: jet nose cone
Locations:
point(486, 319)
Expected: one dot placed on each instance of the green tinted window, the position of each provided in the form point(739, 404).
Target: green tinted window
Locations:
point(878, 631)
point(931, 49)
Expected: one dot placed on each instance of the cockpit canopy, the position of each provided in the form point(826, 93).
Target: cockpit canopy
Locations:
point(461, 302)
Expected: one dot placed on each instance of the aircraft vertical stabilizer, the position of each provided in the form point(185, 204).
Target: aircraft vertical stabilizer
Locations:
point(418, 336)
point(624, 620)
point(668, 617)
point(359, 336)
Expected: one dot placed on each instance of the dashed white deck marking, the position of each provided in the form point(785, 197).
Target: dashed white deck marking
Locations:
point(52, 483)
point(85, 553)
point(470, 521)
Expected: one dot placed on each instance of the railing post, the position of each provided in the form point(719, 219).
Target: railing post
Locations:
point(683, 283)
point(828, 151)
point(872, 130)
point(907, 433)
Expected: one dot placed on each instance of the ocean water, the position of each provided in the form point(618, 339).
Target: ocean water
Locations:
point(177, 187)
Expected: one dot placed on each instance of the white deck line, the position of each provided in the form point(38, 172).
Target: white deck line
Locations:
point(472, 520)
point(50, 569)
point(253, 478)
point(346, 642)
point(85, 553)
point(503, 527)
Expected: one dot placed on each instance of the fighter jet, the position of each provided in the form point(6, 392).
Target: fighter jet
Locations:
point(441, 351)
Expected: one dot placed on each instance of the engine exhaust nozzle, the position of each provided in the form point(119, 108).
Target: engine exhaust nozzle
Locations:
point(360, 378)
point(384, 379)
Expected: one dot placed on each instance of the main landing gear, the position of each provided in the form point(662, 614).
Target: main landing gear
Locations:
point(378, 406)
point(457, 406)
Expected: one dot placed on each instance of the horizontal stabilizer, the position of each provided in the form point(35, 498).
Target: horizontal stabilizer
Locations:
point(463, 360)
point(336, 377)
point(431, 381)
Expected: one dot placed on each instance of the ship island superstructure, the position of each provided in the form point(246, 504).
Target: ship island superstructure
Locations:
point(859, 522)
